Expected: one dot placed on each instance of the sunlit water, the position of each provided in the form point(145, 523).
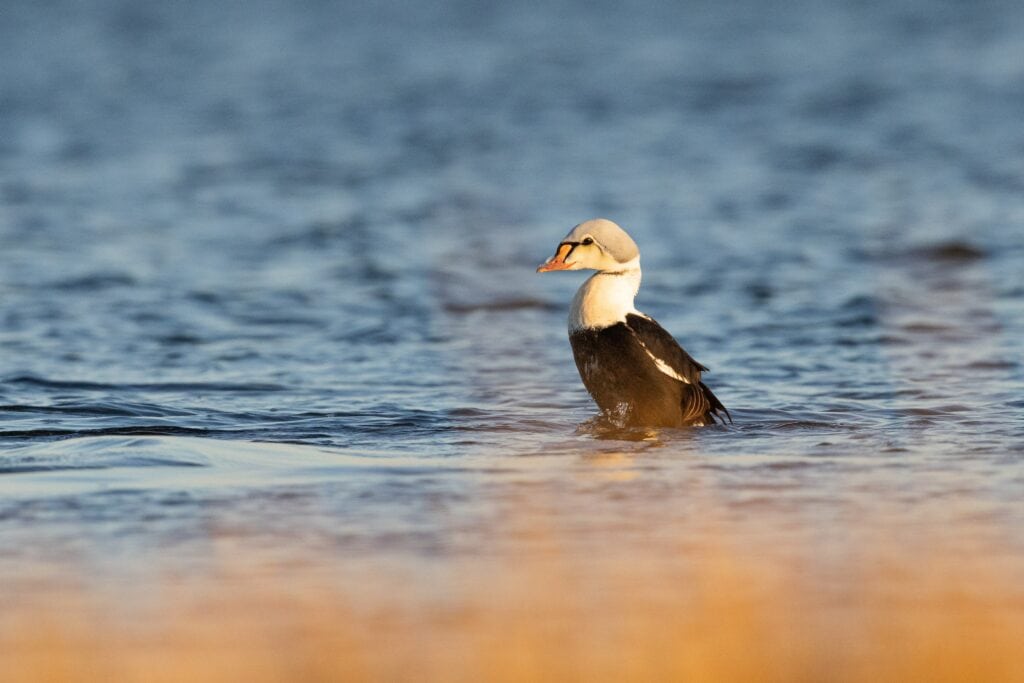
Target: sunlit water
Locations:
point(266, 272)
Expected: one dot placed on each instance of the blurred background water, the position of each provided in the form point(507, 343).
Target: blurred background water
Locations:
point(266, 272)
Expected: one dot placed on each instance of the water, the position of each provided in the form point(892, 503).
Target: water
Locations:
point(266, 274)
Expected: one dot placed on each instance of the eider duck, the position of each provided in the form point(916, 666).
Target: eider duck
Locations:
point(637, 373)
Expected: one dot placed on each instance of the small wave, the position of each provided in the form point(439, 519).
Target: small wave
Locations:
point(791, 418)
point(97, 410)
point(250, 387)
point(845, 100)
point(813, 158)
point(501, 305)
point(937, 411)
point(791, 425)
point(468, 412)
point(860, 302)
point(139, 461)
point(926, 327)
point(94, 282)
point(180, 339)
point(713, 93)
point(138, 430)
point(279, 321)
point(1001, 364)
point(948, 252)
point(216, 462)
point(951, 251)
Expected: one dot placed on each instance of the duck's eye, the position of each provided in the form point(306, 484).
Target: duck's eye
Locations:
point(587, 240)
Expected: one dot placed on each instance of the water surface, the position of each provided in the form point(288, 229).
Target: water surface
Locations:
point(266, 274)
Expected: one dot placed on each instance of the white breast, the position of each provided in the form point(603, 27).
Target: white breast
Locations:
point(604, 300)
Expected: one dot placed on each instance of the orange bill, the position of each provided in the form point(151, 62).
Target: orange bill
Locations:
point(557, 262)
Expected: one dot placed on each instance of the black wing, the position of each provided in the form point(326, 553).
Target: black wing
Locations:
point(697, 400)
point(664, 346)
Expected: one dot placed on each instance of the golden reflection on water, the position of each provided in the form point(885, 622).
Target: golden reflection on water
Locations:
point(610, 466)
point(708, 602)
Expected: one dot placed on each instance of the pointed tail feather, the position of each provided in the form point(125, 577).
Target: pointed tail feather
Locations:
point(715, 406)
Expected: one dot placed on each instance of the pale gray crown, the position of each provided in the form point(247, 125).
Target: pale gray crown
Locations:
point(610, 237)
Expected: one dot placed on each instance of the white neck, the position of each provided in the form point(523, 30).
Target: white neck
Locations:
point(606, 298)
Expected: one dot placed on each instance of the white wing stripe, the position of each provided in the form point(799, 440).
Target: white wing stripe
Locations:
point(662, 365)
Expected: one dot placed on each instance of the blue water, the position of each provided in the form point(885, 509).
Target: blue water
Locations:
point(269, 267)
